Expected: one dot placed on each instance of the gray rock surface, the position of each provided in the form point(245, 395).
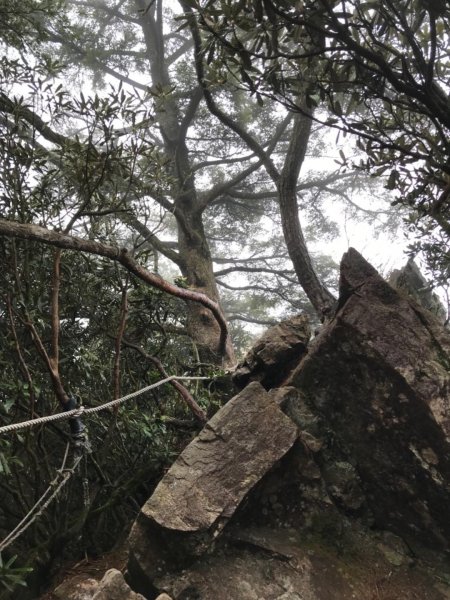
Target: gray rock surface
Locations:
point(265, 564)
point(274, 355)
point(114, 587)
point(208, 481)
point(410, 280)
point(379, 376)
point(79, 587)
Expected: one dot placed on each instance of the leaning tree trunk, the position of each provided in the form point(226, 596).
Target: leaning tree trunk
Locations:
point(321, 299)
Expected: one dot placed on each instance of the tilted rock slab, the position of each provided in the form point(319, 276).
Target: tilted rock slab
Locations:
point(275, 354)
point(207, 482)
point(379, 375)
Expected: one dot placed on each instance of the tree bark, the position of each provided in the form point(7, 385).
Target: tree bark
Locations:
point(197, 268)
point(195, 260)
point(319, 296)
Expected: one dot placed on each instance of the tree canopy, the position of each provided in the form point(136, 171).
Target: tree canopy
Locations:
point(378, 70)
point(159, 188)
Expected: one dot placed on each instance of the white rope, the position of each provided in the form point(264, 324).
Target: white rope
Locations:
point(63, 475)
point(78, 412)
point(43, 502)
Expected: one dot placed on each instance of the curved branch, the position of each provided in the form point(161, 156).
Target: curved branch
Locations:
point(60, 240)
point(152, 239)
point(191, 109)
point(214, 108)
point(282, 273)
point(247, 319)
point(15, 108)
point(226, 186)
point(184, 392)
point(111, 11)
point(83, 54)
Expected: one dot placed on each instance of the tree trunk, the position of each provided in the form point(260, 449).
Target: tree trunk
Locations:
point(321, 299)
point(195, 258)
point(197, 268)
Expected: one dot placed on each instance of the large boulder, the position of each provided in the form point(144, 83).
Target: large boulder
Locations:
point(275, 354)
point(207, 482)
point(332, 484)
point(379, 377)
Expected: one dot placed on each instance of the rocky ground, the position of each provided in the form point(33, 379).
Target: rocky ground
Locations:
point(325, 478)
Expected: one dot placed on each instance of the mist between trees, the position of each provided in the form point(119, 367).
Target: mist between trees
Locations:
point(226, 159)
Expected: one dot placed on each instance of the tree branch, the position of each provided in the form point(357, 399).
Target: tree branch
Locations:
point(214, 108)
point(152, 239)
point(118, 343)
point(248, 319)
point(282, 273)
point(16, 109)
point(120, 255)
point(184, 392)
point(23, 364)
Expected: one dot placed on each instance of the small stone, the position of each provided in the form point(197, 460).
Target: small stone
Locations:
point(114, 587)
point(79, 587)
point(311, 442)
point(429, 456)
point(394, 558)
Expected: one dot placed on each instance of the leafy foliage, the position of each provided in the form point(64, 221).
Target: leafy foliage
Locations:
point(11, 576)
point(380, 68)
point(140, 163)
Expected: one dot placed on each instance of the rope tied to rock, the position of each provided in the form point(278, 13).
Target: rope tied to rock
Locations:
point(81, 446)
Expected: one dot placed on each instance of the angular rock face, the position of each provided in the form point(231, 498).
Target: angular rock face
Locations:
point(261, 503)
point(410, 280)
point(379, 377)
point(208, 481)
point(274, 355)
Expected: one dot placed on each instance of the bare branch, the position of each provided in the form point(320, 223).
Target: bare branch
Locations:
point(118, 343)
point(15, 108)
point(120, 255)
point(152, 239)
point(184, 392)
point(23, 364)
point(247, 319)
